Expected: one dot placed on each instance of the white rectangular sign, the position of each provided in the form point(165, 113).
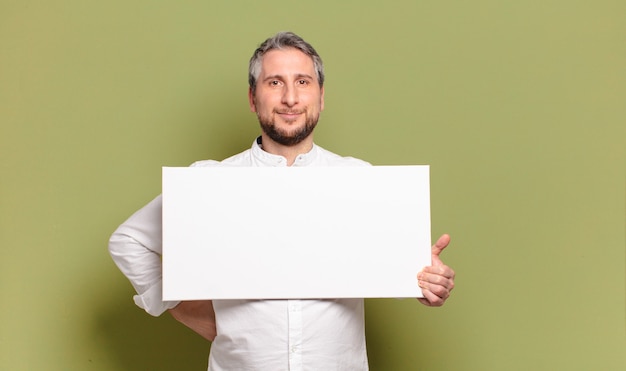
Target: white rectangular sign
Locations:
point(294, 232)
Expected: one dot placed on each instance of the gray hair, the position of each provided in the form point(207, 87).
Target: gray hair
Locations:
point(283, 40)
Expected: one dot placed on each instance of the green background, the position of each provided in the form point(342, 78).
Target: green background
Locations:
point(518, 106)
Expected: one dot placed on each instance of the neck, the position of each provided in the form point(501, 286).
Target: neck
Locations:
point(288, 152)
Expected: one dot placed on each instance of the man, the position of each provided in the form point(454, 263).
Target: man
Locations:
point(286, 92)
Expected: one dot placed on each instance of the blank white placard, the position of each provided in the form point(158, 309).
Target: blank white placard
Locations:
point(294, 232)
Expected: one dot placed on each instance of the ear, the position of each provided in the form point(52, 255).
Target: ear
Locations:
point(251, 100)
point(322, 99)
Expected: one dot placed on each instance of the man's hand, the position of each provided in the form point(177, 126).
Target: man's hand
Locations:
point(436, 280)
point(198, 316)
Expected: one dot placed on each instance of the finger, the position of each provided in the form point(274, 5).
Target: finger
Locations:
point(447, 282)
point(438, 247)
point(441, 244)
point(437, 270)
point(431, 299)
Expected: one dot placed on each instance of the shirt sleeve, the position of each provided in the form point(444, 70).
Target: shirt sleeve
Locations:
point(136, 248)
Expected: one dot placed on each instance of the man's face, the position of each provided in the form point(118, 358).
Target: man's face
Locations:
point(288, 98)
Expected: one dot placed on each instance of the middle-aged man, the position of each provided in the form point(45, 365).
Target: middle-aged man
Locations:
point(287, 94)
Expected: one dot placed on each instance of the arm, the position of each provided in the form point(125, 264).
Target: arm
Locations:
point(437, 280)
point(136, 249)
point(198, 316)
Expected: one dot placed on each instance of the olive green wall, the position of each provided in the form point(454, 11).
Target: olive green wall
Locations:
point(519, 106)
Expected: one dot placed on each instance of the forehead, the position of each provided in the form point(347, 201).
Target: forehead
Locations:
point(287, 62)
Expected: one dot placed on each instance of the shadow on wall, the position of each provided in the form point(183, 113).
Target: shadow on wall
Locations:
point(220, 133)
point(133, 339)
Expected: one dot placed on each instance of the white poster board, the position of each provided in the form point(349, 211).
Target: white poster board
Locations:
point(294, 232)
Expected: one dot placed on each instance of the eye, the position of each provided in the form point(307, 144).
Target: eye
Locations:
point(303, 82)
point(274, 83)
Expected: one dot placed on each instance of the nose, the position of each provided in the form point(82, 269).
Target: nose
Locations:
point(290, 95)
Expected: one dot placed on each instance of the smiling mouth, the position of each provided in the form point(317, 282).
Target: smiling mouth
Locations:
point(290, 113)
point(290, 116)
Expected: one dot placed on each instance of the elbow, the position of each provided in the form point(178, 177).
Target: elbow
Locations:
point(116, 244)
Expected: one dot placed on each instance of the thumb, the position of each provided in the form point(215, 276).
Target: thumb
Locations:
point(438, 247)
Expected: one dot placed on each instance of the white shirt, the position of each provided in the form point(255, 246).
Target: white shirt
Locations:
point(252, 334)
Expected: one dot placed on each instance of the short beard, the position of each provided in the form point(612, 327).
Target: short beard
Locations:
point(284, 137)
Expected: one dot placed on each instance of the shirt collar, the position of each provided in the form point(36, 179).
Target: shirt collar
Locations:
point(269, 159)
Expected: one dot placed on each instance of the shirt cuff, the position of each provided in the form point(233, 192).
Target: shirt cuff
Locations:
point(152, 300)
